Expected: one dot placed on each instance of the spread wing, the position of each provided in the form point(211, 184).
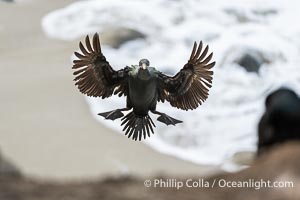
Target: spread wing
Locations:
point(189, 87)
point(93, 74)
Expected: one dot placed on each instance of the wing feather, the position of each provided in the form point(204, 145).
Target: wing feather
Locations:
point(93, 74)
point(189, 88)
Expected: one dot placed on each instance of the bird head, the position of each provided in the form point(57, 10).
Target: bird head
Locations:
point(144, 63)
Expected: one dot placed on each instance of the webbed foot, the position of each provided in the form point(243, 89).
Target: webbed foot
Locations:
point(166, 119)
point(114, 114)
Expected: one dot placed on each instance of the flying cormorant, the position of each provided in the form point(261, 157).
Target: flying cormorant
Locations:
point(143, 86)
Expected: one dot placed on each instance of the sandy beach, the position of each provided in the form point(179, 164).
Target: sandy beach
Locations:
point(46, 127)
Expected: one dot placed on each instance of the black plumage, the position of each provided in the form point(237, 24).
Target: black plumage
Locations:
point(143, 86)
point(281, 120)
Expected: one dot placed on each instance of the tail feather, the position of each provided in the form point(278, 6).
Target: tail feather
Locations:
point(137, 126)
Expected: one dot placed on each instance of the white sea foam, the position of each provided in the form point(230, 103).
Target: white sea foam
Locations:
point(226, 123)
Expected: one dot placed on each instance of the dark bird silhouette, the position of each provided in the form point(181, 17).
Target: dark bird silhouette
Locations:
point(281, 120)
point(143, 86)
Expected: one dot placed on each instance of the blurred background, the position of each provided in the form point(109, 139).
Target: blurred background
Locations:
point(49, 130)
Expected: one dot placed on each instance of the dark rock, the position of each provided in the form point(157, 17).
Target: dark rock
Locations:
point(250, 62)
point(8, 169)
point(281, 121)
point(249, 59)
point(117, 36)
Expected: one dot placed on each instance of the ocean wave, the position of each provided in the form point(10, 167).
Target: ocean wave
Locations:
point(227, 122)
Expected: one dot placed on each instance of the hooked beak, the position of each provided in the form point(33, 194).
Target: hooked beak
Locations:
point(144, 66)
